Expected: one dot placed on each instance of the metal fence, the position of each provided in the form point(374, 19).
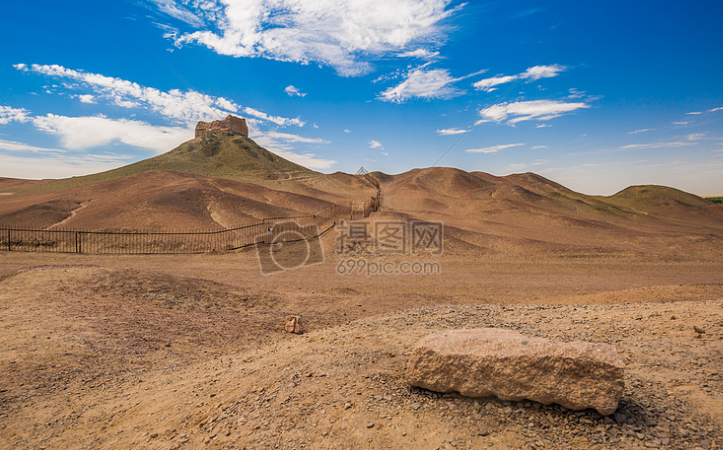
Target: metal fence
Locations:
point(146, 242)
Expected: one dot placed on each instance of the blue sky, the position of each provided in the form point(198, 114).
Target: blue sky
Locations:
point(594, 95)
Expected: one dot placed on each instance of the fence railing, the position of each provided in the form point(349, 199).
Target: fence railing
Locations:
point(61, 240)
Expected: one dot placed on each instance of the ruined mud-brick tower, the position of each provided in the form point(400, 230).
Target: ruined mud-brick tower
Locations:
point(236, 125)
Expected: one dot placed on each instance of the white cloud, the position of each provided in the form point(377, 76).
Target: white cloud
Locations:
point(694, 113)
point(680, 123)
point(347, 130)
point(543, 125)
point(183, 107)
point(87, 98)
point(280, 143)
point(657, 145)
point(488, 84)
point(421, 53)
point(306, 159)
point(21, 147)
point(695, 136)
point(375, 144)
point(58, 166)
point(292, 90)
point(294, 138)
point(716, 109)
point(384, 154)
point(275, 119)
point(532, 74)
point(424, 83)
point(342, 35)
point(8, 114)
point(492, 149)
point(642, 131)
point(532, 110)
point(450, 131)
point(536, 147)
point(172, 8)
point(86, 132)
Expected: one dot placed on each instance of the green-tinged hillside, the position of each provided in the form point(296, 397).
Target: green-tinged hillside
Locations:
point(646, 197)
point(218, 154)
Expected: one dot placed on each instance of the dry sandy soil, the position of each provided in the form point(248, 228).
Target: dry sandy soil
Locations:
point(188, 351)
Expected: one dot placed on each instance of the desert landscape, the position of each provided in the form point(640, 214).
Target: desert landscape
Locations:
point(172, 351)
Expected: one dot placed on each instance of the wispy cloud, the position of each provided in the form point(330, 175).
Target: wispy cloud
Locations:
point(25, 148)
point(644, 130)
point(533, 110)
point(680, 123)
point(295, 138)
point(450, 131)
point(280, 143)
point(421, 53)
point(375, 144)
point(173, 9)
point(492, 149)
point(342, 35)
point(527, 13)
point(424, 83)
point(537, 147)
point(695, 113)
point(59, 165)
point(283, 121)
point(309, 160)
point(292, 91)
point(78, 133)
point(8, 114)
point(656, 145)
point(185, 108)
point(532, 74)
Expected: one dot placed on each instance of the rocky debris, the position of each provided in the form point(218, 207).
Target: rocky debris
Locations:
point(233, 124)
point(491, 361)
point(292, 324)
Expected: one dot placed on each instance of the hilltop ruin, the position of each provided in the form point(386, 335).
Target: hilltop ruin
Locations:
point(233, 124)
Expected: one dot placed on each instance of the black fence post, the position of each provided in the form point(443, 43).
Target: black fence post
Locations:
point(78, 242)
point(8, 236)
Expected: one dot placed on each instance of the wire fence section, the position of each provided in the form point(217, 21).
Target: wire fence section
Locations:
point(147, 242)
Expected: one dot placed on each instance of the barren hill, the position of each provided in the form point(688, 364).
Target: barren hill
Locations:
point(156, 200)
point(217, 154)
point(531, 214)
point(219, 180)
point(222, 180)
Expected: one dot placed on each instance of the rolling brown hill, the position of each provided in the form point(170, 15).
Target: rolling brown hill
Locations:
point(218, 181)
point(222, 180)
point(529, 214)
point(156, 200)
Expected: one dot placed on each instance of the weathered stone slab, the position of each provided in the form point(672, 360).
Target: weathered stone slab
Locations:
point(292, 324)
point(491, 361)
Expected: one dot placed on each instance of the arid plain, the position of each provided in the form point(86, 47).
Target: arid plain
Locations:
point(188, 350)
